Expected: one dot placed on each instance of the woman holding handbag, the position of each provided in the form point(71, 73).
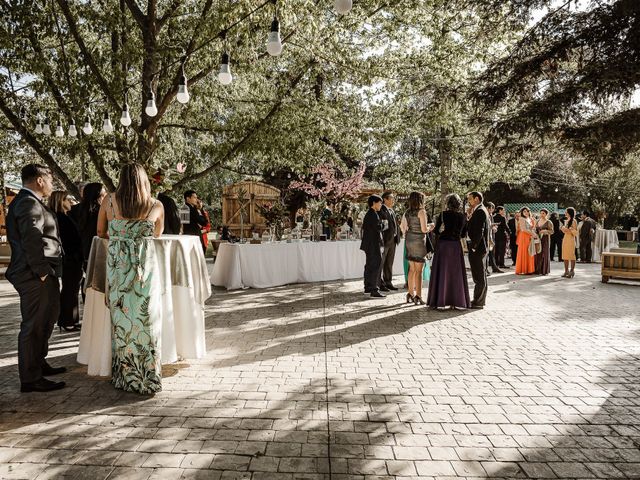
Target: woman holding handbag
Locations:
point(448, 286)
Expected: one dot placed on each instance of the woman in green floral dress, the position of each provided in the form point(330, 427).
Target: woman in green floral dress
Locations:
point(130, 219)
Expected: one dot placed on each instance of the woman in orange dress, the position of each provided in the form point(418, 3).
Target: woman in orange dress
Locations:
point(570, 230)
point(525, 262)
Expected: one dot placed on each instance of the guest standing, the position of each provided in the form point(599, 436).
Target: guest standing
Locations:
point(448, 285)
point(526, 261)
point(491, 258)
point(372, 245)
point(391, 237)
point(513, 237)
point(414, 226)
point(69, 319)
point(570, 230)
point(172, 225)
point(204, 237)
point(501, 235)
point(478, 232)
point(197, 220)
point(34, 270)
point(544, 229)
point(85, 215)
point(556, 238)
point(587, 234)
point(129, 218)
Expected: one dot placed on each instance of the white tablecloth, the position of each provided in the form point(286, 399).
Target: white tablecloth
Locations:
point(603, 242)
point(274, 264)
point(185, 287)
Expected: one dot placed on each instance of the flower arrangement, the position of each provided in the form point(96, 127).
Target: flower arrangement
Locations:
point(274, 215)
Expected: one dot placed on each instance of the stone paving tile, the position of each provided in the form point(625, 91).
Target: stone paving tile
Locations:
point(318, 382)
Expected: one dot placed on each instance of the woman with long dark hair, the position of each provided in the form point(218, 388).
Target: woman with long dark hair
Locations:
point(526, 258)
point(86, 216)
point(544, 228)
point(570, 230)
point(69, 319)
point(129, 219)
point(448, 286)
point(414, 226)
point(172, 225)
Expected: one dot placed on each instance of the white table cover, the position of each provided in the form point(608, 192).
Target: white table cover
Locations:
point(274, 264)
point(185, 284)
point(603, 242)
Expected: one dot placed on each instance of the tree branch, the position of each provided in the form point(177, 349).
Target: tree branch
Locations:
point(138, 16)
point(248, 135)
point(169, 13)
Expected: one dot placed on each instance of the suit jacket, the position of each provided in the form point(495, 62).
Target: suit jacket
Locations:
point(32, 231)
point(371, 232)
point(196, 222)
point(479, 231)
point(391, 234)
point(557, 233)
point(588, 230)
point(70, 238)
point(503, 229)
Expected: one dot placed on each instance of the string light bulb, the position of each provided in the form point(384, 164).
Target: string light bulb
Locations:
point(556, 189)
point(183, 93)
point(224, 75)
point(73, 131)
point(151, 109)
point(59, 129)
point(46, 129)
point(125, 118)
point(87, 128)
point(274, 43)
point(343, 6)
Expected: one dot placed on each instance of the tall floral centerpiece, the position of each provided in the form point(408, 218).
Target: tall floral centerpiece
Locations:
point(336, 187)
point(274, 215)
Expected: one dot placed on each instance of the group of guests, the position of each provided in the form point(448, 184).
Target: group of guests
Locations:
point(51, 236)
point(448, 287)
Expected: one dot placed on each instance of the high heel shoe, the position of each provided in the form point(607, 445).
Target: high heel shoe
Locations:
point(409, 298)
point(418, 301)
point(572, 274)
point(565, 275)
point(73, 328)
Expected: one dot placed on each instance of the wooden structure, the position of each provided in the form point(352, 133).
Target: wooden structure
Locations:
point(244, 197)
point(620, 265)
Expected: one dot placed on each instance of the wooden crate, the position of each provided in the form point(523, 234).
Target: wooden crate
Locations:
point(257, 193)
point(620, 265)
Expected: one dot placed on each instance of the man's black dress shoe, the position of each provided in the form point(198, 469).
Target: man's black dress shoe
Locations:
point(384, 289)
point(391, 287)
point(42, 385)
point(377, 294)
point(475, 306)
point(49, 370)
point(497, 270)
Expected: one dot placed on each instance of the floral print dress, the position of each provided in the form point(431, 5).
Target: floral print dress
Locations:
point(134, 299)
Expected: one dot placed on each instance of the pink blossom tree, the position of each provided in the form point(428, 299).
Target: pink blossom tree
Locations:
point(329, 183)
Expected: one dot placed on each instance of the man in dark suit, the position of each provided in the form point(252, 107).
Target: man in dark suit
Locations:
point(34, 271)
point(556, 238)
point(502, 234)
point(372, 244)
point(197, 220)
point(491, 258)
point(513, 234)
point(587, 234)
point(391, 237)
point(478, 230)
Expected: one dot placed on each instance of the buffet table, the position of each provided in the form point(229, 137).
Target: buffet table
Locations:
point(603, 242)
point(279, 263)
point(185, 286)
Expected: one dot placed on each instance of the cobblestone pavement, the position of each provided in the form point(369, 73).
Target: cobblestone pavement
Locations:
point(317, 382)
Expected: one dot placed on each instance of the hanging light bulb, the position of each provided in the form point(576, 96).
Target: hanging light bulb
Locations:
point(73, 132)
point(151, 108)
point(59, 129)
point(38, 126)
point(274, 44)
point(343, 6)
point(588, 194)
point(224, 75)
point(556, 189)
point(619, 197)
point(87, 129)
point(183, 93)
point(107, 126)
point(46, 129)
point(125, 118)
point(288, 175)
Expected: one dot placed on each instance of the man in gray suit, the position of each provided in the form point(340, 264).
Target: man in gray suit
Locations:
point(391, 237)
point(34, 271)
